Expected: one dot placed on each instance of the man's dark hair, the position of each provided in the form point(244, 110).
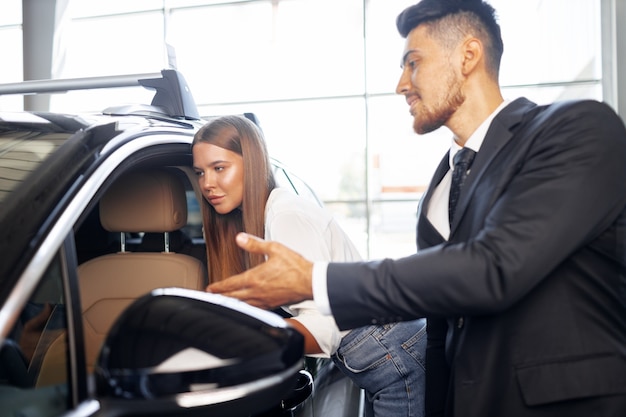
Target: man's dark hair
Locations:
point(450, 20)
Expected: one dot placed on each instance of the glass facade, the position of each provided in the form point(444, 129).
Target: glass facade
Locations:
point(321, 77)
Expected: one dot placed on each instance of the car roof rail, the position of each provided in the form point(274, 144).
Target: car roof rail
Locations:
point(172, 94)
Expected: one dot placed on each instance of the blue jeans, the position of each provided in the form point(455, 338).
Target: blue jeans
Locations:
point(388, 362)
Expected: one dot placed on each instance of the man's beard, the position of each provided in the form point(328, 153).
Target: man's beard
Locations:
point(432, 119)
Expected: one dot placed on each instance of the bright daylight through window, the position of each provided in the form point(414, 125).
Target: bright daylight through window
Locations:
point(321, 77)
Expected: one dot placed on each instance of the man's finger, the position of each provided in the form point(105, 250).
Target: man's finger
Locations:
point(234, 287)
point(234, 283)
point(284, 279)
point(253, 244)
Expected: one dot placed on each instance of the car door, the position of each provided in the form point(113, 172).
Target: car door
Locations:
point(42, 357)
point(41, 360)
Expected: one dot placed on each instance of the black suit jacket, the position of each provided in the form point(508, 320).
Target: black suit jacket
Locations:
point(526, 301)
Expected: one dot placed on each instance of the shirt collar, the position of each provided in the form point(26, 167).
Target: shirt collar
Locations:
point(475, 141)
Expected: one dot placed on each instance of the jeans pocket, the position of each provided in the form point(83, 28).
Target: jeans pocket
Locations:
point(360, 350)
point(415, 346)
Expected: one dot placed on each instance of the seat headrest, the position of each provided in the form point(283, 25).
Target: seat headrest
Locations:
point(151, 201)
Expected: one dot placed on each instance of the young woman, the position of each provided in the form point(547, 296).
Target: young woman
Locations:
point(240, 194)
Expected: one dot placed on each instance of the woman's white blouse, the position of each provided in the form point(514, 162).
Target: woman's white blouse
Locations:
point(310, 230)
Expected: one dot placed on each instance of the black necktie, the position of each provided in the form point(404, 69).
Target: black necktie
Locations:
point(462, 163)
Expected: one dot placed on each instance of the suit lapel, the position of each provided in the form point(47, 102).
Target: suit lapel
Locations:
point(499, 133)
point(427, 235)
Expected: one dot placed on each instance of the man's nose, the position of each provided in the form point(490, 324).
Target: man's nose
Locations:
point(404, 83)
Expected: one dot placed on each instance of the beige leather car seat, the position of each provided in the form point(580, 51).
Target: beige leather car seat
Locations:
point(151, 201)
point(53, 368)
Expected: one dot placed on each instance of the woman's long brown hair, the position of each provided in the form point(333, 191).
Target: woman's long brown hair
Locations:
point(239, 135)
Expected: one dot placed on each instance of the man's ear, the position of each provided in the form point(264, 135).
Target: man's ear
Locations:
point(473, 54)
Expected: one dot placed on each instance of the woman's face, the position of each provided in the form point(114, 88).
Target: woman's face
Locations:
point(220, 176)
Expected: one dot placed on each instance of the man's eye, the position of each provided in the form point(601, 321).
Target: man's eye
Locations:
point(219, 169)
point(412, 64)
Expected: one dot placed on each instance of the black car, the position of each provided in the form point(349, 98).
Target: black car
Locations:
point(102, 273)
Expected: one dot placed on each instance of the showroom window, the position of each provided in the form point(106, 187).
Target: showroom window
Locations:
point(321, 75)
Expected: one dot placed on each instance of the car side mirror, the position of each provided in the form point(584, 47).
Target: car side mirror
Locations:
point(183, 352)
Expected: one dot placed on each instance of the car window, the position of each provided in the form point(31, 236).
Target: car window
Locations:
point(295, 184)
point(33, 358)
point(21, 152)
point(194, 216)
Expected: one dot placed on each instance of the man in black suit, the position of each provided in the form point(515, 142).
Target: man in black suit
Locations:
point(524, 282)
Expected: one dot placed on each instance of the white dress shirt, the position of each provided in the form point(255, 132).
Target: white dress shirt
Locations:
point(437, 210)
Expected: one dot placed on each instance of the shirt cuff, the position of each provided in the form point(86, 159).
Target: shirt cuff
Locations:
point(320, 289)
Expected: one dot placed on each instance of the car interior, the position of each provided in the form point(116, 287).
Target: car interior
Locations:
point(142, 231)
point(135, 239)
point(151, 202)
point(93, 239)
